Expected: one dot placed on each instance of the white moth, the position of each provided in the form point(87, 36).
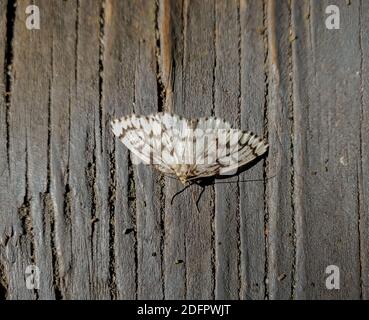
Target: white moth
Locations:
point(189, 150)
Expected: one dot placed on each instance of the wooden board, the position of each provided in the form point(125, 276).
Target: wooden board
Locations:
point(252, 247)
point(363, 164)
point(74, 203)
point(327, 156)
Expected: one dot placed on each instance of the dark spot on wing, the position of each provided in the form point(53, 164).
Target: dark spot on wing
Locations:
point(122, 135)
point(253, 151)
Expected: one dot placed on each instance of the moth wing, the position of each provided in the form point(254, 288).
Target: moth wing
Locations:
point(242, 148)
point(151, 138)
point(221, 150)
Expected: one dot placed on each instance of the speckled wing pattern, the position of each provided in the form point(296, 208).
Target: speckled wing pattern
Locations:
point(194, 148)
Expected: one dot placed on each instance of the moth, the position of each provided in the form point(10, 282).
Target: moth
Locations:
point(190, 150)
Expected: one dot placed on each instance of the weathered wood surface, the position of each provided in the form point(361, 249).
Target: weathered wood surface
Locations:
point(99, 227)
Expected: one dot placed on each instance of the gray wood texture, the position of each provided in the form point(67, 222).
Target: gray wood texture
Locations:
point(74, 203)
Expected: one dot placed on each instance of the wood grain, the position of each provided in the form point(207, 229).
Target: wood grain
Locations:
point(363, 163)
point(327, 151)
point(252, 193)
point(279, 192)
point(227, 106)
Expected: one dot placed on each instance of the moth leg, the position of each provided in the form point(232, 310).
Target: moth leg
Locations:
point(199, 197)
point(179, 192)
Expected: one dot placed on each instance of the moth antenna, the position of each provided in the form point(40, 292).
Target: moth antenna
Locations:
point(248, 180)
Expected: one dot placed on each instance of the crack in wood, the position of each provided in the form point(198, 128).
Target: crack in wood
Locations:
point(265, 163)
point(291, 149)
point(67, 194)
point(111, 205)
point(76, 28)
point(162, 229)
point(360, 166)
point(8, 67)
point(47, 201)
point(4, 283)
point(161, 90)
point(50, 213)
point(213, 190)
point(101, 66)
point(25, 216)
point(132, 210)
point(239, 98)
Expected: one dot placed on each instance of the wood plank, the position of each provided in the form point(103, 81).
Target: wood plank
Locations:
point(364, 151)
point(6, 218)
point(189, 234)
point(117, 100)
point(280, 215)
point(34, 89)
point(227, 106)
point(15, 238)
point(102, 271)
point(28, 158)
point(253, 87)
point(198, 73)
point(139, 95)
point(89, 280)
point(63, 48)
point(148, 181)
point(327, 150)
point(174, 218)
point(63, 100)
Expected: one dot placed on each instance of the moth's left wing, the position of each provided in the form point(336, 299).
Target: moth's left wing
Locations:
point(142, 135)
